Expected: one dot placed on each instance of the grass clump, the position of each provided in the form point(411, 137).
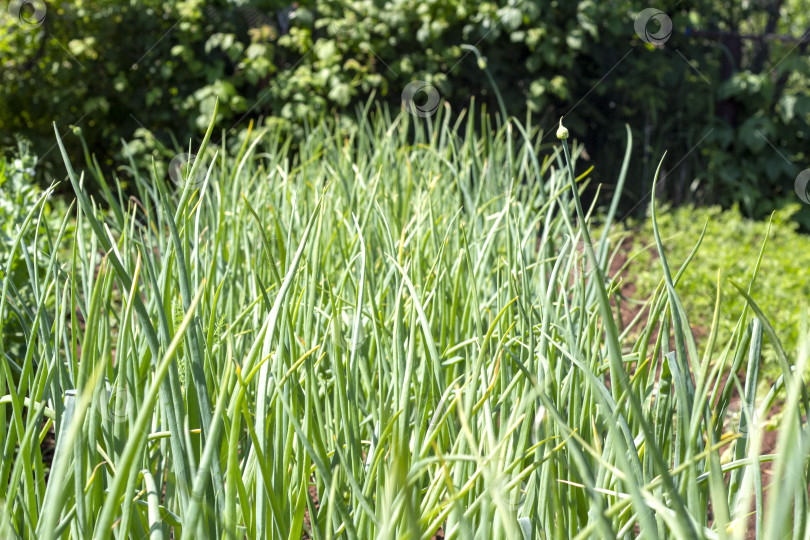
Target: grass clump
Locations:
point(386, 333)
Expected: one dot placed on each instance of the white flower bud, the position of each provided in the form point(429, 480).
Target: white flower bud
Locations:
point(562, 131)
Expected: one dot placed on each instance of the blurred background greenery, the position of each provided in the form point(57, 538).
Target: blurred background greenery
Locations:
point(725, 95)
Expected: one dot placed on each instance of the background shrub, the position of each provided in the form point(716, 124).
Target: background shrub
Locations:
point(724, 95)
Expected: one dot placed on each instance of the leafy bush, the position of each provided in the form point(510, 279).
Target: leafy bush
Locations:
point(736, 132)
point(19, 192)
point(103, 67)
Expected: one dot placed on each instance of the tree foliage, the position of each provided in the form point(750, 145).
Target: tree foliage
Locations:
point(724, 95)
